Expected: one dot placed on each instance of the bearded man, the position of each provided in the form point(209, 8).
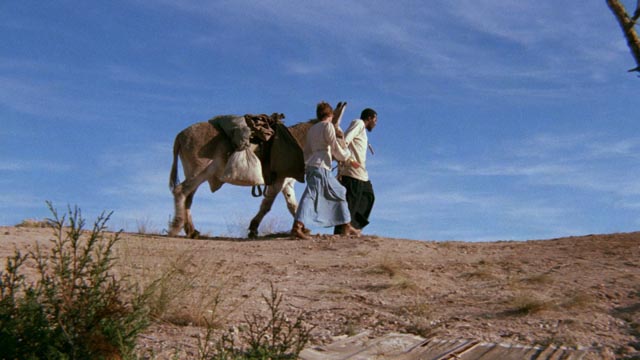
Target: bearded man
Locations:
point(360, 196)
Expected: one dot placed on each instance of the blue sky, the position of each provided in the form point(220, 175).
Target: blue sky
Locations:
point(498, 119)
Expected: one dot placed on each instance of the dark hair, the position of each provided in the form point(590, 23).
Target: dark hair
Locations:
point(368, 113)
point(323, 110)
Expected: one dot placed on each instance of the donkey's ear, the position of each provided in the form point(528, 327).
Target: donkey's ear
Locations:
point(338, 111)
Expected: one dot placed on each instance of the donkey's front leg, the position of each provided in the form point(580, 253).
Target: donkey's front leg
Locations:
point(290, 197)
point(189, 228)
point(265, 206)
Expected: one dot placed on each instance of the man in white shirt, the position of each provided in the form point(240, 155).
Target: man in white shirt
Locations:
point(360, 196)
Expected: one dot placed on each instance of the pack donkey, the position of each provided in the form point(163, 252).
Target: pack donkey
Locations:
point(204, 150)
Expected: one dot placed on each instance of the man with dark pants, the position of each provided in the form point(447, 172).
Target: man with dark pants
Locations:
point(360, 195)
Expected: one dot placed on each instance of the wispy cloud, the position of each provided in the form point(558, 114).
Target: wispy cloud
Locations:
point(21, 201)
point(137, 76)
point(50, 91)
point(582, 161)
point(542, 179)
point(46, 100)
point(440, 213)
point(526, 169)
point(579, 146)
point(519, 22)
point(33, 165)
point(143, 170)
point(14, 206)
point(25, 97)
point(447, 40)
point(301, 68)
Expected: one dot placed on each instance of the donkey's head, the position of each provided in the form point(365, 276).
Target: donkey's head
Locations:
point(338, 111)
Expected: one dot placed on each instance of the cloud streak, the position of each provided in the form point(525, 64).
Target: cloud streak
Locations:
point(498, 47)
point(33, 165)
point(545, 178)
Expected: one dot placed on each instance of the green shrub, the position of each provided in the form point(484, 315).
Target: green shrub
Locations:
point(76, 309)
point(271, 337)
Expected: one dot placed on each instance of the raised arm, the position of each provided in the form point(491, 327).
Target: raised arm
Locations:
point(338, 152)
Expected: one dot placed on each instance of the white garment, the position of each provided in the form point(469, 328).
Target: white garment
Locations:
point(321, 145)
point(357, 141)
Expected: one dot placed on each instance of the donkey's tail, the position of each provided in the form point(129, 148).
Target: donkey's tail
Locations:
point(173, 176)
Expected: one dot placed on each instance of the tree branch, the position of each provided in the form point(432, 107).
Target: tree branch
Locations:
point(627, 25)
point(636, 14)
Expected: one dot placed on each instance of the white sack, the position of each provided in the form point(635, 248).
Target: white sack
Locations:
point(243, 168)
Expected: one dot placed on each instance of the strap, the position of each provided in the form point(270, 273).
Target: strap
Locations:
point(257, 191)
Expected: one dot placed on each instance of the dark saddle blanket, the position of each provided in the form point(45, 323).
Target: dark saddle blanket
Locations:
point(282, 156)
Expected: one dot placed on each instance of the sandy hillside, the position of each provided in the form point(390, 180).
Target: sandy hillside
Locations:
point(578, 291)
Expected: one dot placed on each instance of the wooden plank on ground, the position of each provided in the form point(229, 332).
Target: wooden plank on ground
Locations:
point(395, 346)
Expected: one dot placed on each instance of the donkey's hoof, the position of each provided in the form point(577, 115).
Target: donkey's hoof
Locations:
point(195, 234)
point(253, 234)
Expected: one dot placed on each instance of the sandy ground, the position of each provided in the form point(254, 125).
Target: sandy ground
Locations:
point(576, 291)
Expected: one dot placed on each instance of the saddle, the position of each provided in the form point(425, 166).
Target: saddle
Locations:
point(248, 129)
point(261, 126)
point(278, 151)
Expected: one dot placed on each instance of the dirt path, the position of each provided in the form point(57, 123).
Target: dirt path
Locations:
point(579, 291)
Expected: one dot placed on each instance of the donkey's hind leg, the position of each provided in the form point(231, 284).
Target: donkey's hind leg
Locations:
point(183, 198)
point(189, 228)
point(179, 212)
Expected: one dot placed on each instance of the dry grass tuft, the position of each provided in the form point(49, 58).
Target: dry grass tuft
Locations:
point(419, 308)
point(400, 280)
point(480, 274)
point(187, 289)
point(578, 301)
point(483, 271)
point(527, 304)
point(334, 290)
point(33, 223)
point(418, 318)
point(539, 279)
point(404, 283)
point(386, 267)
point(377, 287)
point(145, 226)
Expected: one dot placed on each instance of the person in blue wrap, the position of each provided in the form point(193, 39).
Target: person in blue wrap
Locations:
point(324, 201)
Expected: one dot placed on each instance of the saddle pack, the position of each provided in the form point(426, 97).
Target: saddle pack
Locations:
point(279, 152)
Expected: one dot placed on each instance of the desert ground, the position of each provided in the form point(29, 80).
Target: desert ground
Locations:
point(577, 291)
